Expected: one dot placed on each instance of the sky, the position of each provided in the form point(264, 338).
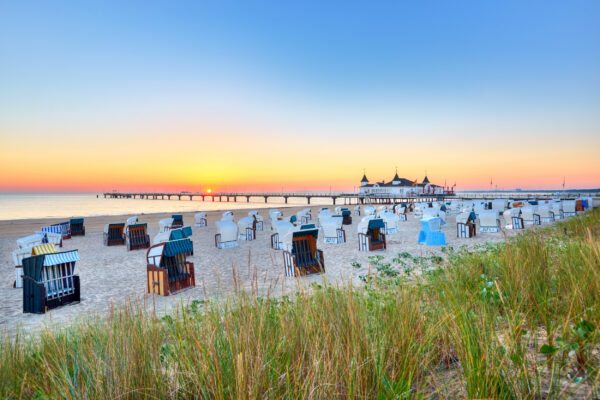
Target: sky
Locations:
point(297, 95)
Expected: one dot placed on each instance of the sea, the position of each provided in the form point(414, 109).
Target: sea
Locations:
point(36, 206)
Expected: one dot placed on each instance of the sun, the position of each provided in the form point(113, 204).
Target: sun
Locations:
point(208, 190)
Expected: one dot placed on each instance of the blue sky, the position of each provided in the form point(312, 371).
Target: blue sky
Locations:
point(340, 70)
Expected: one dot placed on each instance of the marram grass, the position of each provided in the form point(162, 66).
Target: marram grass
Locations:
point(512, 320)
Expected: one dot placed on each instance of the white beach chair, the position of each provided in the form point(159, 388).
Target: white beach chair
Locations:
point(357, 211)
point(545, 212)
point(246, 229)
point(304, 216)
point(557, 209)
point(279, 228)
point(489, 221)
point(333, 233)
point(569, 209)
point(390, 221)
point(227, 233)
point(465, 225)
point(324, 214)
point(274, 215)
point(259, 219)
point(499, 205)
point(165, 224)
point(200, 219)
point(530, 215)
point(161, 237)
point(401, 212)
point(369, 210)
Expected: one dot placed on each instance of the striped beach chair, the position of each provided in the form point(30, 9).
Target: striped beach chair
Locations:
point(62, 228)
point(49, 281)
point(136, 237)
point(301, 256)
point(77, 228)
point(114, 234)
point(168, 269)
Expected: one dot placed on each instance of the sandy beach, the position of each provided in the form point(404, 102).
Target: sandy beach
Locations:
point(113, 275)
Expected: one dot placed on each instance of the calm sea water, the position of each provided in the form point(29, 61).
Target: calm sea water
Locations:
point(26, 206)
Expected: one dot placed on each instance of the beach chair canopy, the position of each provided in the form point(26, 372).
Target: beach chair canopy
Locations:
point(430, 212)
point(281, 227)
point(376, 223)
point(176, 234)
point(369, 210)
point(274, 213)
point(47, 248)
point(161, 237)
point(34, 267)
point(489, 218)
point(76, 221)
point(390, 219)
point(177, 217)
point(308, 226)
point(31, 240)
point(246, 222)
point(227, 216)
point(165, 224)
point(132, 220)
point(465, 217)
point(157, 255)
point(346, 212)
point(186, 231)
point(433, 224)
point(544, 211)
point(118, 226)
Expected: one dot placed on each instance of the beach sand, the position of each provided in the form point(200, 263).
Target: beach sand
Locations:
point(113, 275)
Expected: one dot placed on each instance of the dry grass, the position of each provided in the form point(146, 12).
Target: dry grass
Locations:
point(513, 320)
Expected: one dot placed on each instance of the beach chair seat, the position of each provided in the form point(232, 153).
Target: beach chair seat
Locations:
point(168, 270)
point(430, 233)
point(76, 227)
point(333, 233)
point(49, 281)
point(114, 234)
point(177, 220)
point(200, 219)
point(370, 234)
point(301, 256)
point(136, 237)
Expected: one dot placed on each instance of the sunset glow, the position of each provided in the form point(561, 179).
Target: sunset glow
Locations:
point(217, 97)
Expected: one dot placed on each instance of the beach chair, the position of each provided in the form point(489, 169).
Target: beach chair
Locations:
point(357, 211)
point(333, 233)
point(165, 225)
point(499, 205)
point(62, 228)
point(227, 233)
point(168, 269)
point(324, 213)
point(530, 215)
point(390, 221)
point(546, 213)
point(430, 233)
point(136, 237)
point(177, 220)
point(247, 228)
point(489, 221)
point(200, 219)
point(258, 218)
point(401, 211)
point(370, 234)
point(517, 220)
point(369, 211)
point(569, 208)
point(274, 215)
point(557, 209)
point(21, 253)
point(49, 281)
point(304, 216)
point(114, 234)
point(279, 228)
point(465, 225)
point(76, 226)
point(346, 216)
point(301, 256)
point(579, 205)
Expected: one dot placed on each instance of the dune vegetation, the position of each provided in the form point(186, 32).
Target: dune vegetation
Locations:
point(517, 319)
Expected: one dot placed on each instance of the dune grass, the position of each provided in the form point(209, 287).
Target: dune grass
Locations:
point(511, 320)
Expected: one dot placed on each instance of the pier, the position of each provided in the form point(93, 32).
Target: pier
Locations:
point(336, 197)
